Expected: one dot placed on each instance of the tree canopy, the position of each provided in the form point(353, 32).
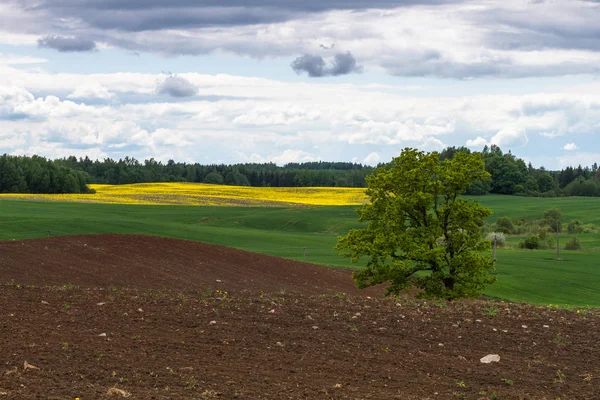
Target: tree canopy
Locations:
point(38, 175)
point(419, 232)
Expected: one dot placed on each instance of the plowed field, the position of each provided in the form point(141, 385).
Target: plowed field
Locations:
point(114, 316)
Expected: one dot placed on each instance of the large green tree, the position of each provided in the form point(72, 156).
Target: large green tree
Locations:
point(420, 233)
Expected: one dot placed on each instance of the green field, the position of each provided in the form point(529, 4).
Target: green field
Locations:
point(527, 276)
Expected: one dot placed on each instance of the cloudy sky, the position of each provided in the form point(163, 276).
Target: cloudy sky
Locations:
point(286, 80)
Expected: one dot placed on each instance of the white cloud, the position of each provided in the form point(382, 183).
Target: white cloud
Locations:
point(549, 135)
point(290, 155)
point(570, 146)
point(492, 38)
point(287, 156)
point(579, 158)
point(478, 142)
point(12, 59)
point(510, 137)
point(432, 144)
point(271, 120)
point(372, 159)
point(91, 91)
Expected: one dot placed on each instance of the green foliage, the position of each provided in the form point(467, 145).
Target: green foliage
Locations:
point(582, 187)
point(214, 178)
point(546, 183)
point(236, 178)
point(38, 175)
point(419, 232)
point(531, 243)
point(490, 311)
point(130, 170)
point(506, 171)
point(552, 218)
point(575, 226)
point(573, 244)
point(505, 225)
point(480, 187)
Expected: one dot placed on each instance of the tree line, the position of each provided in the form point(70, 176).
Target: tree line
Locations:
point(509, 174)
point(38, 175)
point(130, 170)
point(512, 176)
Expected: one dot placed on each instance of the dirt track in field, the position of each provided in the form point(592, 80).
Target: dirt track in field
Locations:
point(148, 320)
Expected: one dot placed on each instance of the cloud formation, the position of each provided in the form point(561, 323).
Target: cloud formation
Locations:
point(315, 66)
point(67, 44)
point(91, 91)
point(275, 120)
point(477, 143)
point(510, 137)
point(451, 39)
point(372, 158)
point(138, 15)
point(176, 86)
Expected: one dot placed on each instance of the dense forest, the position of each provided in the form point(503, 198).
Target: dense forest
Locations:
point(38, 175)
point(509, 175)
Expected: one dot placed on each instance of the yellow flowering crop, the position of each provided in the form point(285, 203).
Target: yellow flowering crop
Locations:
point(200, 194)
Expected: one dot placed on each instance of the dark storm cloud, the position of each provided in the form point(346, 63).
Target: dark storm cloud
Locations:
point(176, 86)
point(560, 26)
point(168, 27)
point(343, 64)
point(66, 44)
point(140, 15)
point(315, 66)
point(292, 5)
point(492, 68)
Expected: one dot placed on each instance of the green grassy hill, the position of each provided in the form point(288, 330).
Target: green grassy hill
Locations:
point(528, 276)
point(586, 209)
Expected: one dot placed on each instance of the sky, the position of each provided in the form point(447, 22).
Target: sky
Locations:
point(231, 81)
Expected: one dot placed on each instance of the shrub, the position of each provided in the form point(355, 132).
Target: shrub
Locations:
point(573, 244)
point(532, 243)
point(505, 225)
point(590, 228)
point(549, 193)
point(575, 226)
point(581, 187)
point(499, 236)
point(546, 183)
point(552, 219)
point(214, 178)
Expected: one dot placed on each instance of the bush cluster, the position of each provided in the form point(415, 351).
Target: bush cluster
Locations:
point(531, 243)
point(573, 244)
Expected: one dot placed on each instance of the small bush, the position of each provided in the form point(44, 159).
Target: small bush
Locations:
point(575, 226)
point(573, 244)
point(532, 243)
point(505, 225)
point(499, 236)
point(552, 219)
point(590, 228)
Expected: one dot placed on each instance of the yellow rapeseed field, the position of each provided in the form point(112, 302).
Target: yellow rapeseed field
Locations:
point(200, 194)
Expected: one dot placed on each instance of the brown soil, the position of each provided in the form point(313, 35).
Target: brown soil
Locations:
point(168, 330)
point(152, 262)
